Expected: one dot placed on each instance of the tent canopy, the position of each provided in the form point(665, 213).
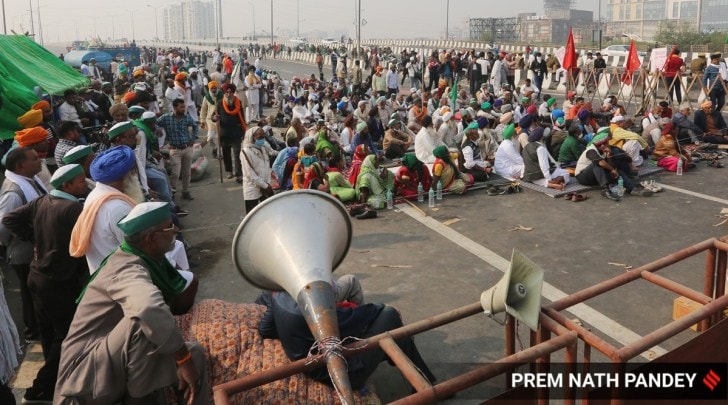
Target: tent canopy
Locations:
point(24, 65)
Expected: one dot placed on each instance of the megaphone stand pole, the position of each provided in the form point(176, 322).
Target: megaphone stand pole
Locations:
point(317, 304)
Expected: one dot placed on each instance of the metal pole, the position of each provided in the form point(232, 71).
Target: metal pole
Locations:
point(40, 25)
point(447, 21)
point(271, 22)
point(298, 18)
point(32, 25)
point(358, 37)
point(600, 23)
point(133, 34)
point(5, 25)
point(156, 23)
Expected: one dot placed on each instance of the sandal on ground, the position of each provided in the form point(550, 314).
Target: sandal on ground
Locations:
point(650, 185)
point(715, 163)
point(579, 197)
point(495, 191)
point(569, 196)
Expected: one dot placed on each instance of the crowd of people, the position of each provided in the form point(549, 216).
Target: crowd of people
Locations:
point(91, 222)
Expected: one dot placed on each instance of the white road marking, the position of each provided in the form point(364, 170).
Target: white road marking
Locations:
point(693, 193)
point(584, 312)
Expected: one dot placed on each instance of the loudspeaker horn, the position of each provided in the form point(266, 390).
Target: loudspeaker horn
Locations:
point(294, 241)
point(518, 292)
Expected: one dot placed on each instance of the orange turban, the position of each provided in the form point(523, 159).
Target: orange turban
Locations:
point(180, 77)
point(212, 83)
point(31, 136)
point(31, 118)
point(128, 97)
point(42, 104)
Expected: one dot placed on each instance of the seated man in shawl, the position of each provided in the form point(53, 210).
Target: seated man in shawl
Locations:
point(411, 175)
point(117, 191)
point(712, 124)
point(540, 168)
point(630, 142)
point(373, 182)
point(283, 320)
point(475, 163)
point(396, 141)
point(363, 137)
point(508, 162)
point(446, 171)
point(597, 166)
point(124, 343)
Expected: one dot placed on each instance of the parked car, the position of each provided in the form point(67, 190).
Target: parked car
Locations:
point(620, 50)
point(330, 41)
point(298, 40)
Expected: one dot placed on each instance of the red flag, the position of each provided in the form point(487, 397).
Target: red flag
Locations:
point(633, 63)
point(570, 60)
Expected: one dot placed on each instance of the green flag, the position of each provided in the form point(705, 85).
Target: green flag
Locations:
point(453, 95)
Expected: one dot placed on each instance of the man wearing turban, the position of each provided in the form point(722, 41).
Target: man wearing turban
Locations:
point(711, 122)
point(31, 119)
point(36, 138)
point(508, 162)
point(540, 169)
point(208, 120)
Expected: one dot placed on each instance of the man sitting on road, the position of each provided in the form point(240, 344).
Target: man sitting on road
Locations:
point(712, 124)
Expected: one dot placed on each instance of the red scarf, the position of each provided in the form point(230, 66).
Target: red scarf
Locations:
point(236, 111)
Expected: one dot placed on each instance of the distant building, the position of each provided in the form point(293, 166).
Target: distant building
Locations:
point(554, 27)
point(641, 19)
point(191, 19)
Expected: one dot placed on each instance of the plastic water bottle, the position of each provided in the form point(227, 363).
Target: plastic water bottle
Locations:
point(439, 190)
point(390, 200)
point(679, 167)
point(420, 192)
point(620, 187)
point(431, 194)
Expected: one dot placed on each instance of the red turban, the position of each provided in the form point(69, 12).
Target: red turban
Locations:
point(227, 86)
point(31, 136)
point(42, 104)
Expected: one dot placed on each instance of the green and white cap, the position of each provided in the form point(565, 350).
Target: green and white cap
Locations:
point(144, 216)
point(119, 129)
point(64, 174)
point(76, 153)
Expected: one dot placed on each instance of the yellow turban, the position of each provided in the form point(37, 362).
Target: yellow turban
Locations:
point(212, 84)
point(31, 136)
point(31, 119)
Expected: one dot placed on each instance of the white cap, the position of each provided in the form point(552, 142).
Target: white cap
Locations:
point(194, 70)
point(148, 115)
point(446, 117)
point(616, 119)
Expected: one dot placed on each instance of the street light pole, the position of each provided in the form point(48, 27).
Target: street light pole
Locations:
point(271, 22)
point(5, 25)
point(32, 25)
point(447, 21)
point(298, 19)
point(156, 20)
point(133, 34)
point(253, 5)
point(40, 25)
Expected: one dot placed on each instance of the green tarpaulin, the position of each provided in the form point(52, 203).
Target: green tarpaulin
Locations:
point(24, 65)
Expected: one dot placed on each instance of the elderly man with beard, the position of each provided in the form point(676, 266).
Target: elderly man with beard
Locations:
point(117, 191)
point(124, 344)
point(208, 117)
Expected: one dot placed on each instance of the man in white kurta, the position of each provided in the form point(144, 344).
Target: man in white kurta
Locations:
point(508, 162)
point(253, 85)
point(426, 141)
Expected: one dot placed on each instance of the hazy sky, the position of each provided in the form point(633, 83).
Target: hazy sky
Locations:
point(65, 20)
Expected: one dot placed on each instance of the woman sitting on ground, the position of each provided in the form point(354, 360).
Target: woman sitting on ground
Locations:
point(447, 172)
point(316, 178)
point(667, 151)
point(361, 152)
point(410, 175)
point(373, 182)
point(338, 185)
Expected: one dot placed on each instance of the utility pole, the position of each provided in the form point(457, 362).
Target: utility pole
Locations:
point(40, 25)
point(271, 22)
point(600, 23)
point(358, 35)
point(253, 5)
point(218, 35)
point(447, 21)
point(298, 18)
point(5, 25)
point(32, 26)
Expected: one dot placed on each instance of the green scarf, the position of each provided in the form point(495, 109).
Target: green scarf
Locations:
point(64, 195)
point(163, 275)
point(323, 143)
point(151, 138)
point(210, 100)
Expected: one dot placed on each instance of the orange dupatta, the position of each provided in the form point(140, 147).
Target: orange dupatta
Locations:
point(235, 111)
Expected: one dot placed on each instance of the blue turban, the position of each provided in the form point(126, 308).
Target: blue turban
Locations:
point(482, 122)
point(341, 105)
point(526, 121)
point(535, 135)
point(557, 113)
point(113, 164)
